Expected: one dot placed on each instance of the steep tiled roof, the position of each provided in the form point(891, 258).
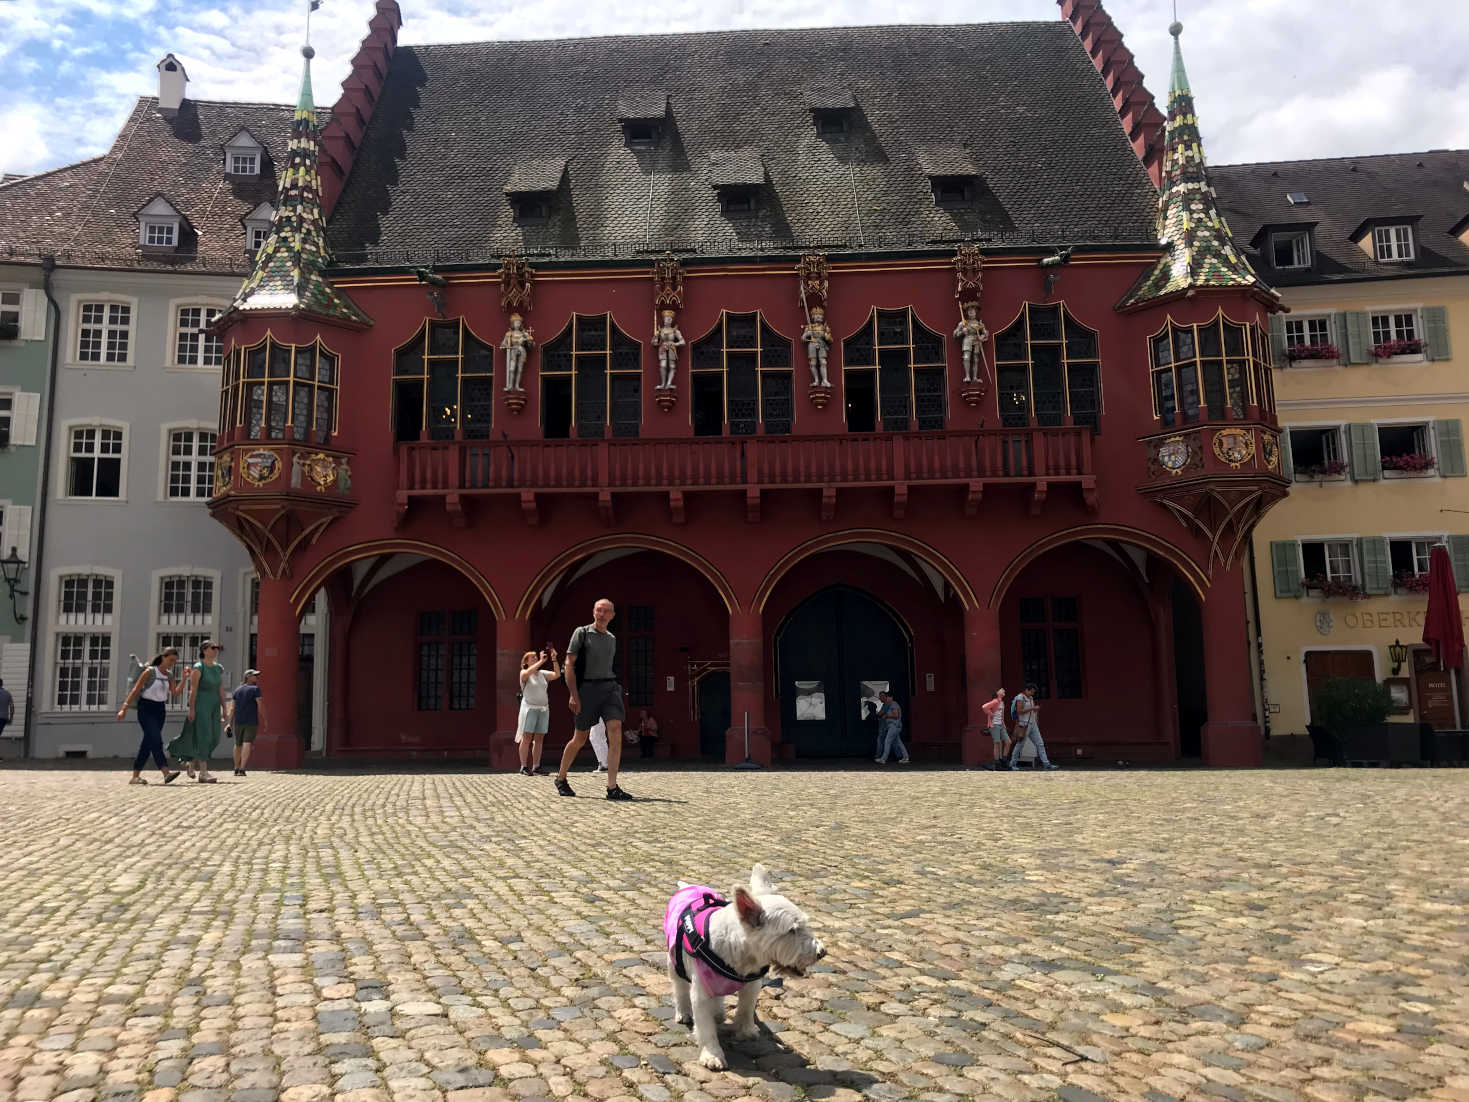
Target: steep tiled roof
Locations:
point(827, 98)
point(531, 177)
point(452, 120)
point(736, 168)
point(84, 212)
point(946, 160)
point(289, 271)
point(1200, 251)
point(1344, 193)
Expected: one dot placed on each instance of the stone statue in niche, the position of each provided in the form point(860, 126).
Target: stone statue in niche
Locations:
point(344, 478)
point(817, 335)
point(518, 341)
point(972, 334)
point(668, 340)
point(296, 469)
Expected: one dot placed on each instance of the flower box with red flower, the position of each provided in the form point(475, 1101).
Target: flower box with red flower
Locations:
point(1325, 352)
point(1332, 468)
point(1388, 350)
point(1411, 463)
point(1334, 587)
point(1407, 581)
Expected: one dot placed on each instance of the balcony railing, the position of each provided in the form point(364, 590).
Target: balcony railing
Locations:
point(713, 463)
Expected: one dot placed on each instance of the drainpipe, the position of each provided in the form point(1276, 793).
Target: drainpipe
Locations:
point(38, 601)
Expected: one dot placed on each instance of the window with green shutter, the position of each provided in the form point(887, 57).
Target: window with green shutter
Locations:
point(1459, 557)
point(1376, 564)
point(1362, 452)
point(1359, 337)
point(1448, 437)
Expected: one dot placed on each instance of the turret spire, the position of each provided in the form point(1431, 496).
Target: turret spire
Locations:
point(289, 269)
point(1200, 251)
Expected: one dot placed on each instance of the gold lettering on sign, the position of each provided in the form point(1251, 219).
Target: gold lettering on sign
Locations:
point(1389, 621)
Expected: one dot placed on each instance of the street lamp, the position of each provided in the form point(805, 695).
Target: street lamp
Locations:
point(1397, 653)
point(12, 565)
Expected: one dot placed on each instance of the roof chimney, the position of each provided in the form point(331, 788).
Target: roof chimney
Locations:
point(171, 82)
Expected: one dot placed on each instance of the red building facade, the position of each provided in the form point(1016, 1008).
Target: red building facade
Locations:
point(1074, 515)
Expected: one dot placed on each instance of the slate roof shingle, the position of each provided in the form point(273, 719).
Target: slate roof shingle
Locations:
point(829, 99)
point(946, 160)
point(533, 177)
point(84, 213)
point(1058, 167)
point(642, 105)
point(736, 168)
point(1345, 193)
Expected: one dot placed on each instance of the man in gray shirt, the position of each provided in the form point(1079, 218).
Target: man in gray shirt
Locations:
point(591, 679)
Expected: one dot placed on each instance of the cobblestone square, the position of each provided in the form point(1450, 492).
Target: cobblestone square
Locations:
point(439, 935)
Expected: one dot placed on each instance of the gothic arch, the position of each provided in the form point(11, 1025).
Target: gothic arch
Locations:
point(1184, 564)
point(303, 593)
point(627, 541)
point(831, 542)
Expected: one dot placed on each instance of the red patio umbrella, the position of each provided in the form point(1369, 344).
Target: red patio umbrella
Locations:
point(1442, 628)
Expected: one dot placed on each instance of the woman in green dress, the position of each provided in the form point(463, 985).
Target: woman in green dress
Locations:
point(196, 742)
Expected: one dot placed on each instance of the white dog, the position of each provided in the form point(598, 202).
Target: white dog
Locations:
point(717, 947)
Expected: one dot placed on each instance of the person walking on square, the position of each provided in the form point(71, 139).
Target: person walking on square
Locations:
point(536, 671)
point(1028, 726)
point(890, 716)
point(994, 719)
point(151, 692)
point(7, 708)
point(647, 733)
point(207, 701)
point(247, 713)
point(594, 694)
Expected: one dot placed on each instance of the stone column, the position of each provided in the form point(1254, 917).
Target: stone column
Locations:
point(338, 684)
point(1231, 737)
point(1165, 695)
point(512, 639)
point(747, 689)
point(981, 676)
point(278, 648)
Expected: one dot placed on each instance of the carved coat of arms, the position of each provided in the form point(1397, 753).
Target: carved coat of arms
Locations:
point(262, 466)
point(1234, 446)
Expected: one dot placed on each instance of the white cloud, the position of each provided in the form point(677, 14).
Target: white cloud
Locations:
point(1272, 78)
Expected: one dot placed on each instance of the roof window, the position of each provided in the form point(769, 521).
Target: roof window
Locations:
point(160, 225)
point(642, 115)
point(243, 155)
point(1297, 198)
point(532, 188)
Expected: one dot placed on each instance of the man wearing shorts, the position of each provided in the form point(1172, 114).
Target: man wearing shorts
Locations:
point(591, 681)
point(247, 711)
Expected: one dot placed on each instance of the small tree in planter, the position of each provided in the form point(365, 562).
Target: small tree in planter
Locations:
point(1412, 462)
point(1355, 710)
point(1334, 587)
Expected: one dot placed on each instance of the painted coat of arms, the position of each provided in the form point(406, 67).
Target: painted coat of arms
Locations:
point(224, 472)
point(1173, 454)
point(322, 470)
point(262, 466)
point(1234, 446)
point(1270, 451)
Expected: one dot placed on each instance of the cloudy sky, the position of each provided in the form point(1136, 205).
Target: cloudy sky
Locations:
point(1274, 79)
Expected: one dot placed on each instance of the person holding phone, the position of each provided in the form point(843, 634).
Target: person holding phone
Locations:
point(537, 669)
point(152, 691)
point(1028, 726)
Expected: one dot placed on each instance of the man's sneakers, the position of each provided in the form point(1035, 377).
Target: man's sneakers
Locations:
point(562, 788)
point(239, 772)
point(525, 771)
point(616, 793)
point(1051, 766)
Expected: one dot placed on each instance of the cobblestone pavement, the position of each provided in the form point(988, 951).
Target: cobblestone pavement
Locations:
point(417, 936)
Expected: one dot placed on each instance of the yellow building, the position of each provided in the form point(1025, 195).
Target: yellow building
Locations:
point(1371, 257)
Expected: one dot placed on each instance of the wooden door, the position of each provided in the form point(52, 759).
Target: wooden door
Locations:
point(1328, 665)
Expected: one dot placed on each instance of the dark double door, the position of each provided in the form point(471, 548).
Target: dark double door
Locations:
point(829, 645)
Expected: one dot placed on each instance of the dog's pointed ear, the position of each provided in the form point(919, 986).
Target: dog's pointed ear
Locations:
point(760, 881)
point(748, 908)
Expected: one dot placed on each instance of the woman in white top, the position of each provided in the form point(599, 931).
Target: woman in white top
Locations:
point(151, 691)
point(536, 670)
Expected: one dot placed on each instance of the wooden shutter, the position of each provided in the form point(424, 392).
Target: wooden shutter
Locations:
point(1338, 330)
point(1459, 557)
point(1358, 328)
point(1362, 452)
point(24, 413)
point(1285, 564)
point(1372, 553)
point(1436, 330)
point(1277, 340)
point(33, 315)
point(1448, 438)
point(16, 531)
point(1287, 462)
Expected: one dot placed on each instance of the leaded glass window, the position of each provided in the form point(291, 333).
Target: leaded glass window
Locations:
point(908, 361)
point(1214, 368)
point(742, 381)
point(591, 377)
point(443, 383)
point(277, 391)
point(1047, 368)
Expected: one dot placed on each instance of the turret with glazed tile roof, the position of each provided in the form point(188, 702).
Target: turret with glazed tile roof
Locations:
point(1200, 251)
point(289, 274)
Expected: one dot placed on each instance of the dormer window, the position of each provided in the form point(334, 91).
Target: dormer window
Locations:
point(737, 175)
point(243, 155)
point(831, 110)
point(951, 172)
point(830, 124)
point(1291, 249)
point(1393, 244)
point(642, 115)
point(257, 227)
point(159, 225)
point(532, 188)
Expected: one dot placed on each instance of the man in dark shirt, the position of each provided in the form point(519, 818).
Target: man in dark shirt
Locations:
point(7, 708)
point(247, 712)
point(591, 679)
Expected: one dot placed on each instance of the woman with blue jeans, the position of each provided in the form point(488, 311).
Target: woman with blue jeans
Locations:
point(890, 720)
point(152, 690)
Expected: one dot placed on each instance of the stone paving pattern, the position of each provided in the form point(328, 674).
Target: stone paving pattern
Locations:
point(473, 937)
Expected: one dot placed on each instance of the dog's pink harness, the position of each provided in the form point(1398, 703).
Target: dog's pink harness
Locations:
point(686, 927)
